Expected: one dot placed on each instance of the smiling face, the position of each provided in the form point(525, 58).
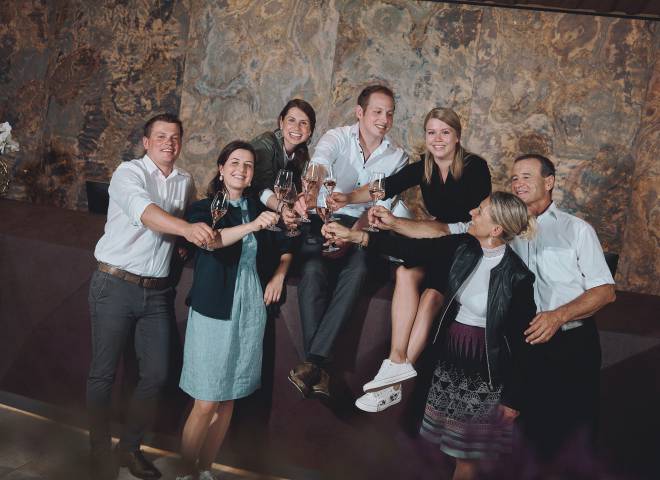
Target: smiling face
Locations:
point(482, 226)
point(528, 184)
point(377, 118)
point(163, 145)
point(237, 172)
point(296, 128)
point(441, 139)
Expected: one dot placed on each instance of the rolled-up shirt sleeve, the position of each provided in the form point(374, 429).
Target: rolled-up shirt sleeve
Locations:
point(128, 190)
point(328, 148)
point(590, 258)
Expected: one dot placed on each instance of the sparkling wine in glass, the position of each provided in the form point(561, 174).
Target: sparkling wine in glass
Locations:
point(330, 182)
point(377, 192)
point(283, 183)
point(311, 173)
point(290, 200)
point(325, 213)
point(219, 207)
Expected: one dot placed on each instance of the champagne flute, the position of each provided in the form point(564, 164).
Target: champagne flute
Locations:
point(330, 182)
point(325, 213)
point(309, 179)
point(377, 192)
point(219, 206)
point(289, 200)
point(283, 183)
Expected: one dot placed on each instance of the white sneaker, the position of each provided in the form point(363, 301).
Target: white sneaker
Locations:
point(379, 400)
point(207, 475)
point(390, 373)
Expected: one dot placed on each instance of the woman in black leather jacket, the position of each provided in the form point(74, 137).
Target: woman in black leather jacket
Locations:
point(476, 390)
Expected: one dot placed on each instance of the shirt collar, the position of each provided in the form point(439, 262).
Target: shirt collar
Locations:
point(152, 167)
point(550, 212)
point(355, 133)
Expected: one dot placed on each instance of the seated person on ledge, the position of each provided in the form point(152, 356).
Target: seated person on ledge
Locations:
point(452, 182)
point(330, 282)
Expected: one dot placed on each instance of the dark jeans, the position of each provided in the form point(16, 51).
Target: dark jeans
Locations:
point(119, 309)
point(328, 289)
point(562, 391)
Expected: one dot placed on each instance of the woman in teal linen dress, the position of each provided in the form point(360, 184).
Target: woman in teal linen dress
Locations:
point(227, 318)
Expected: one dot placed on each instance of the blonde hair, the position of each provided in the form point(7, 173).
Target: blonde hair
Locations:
point(450, 117)
point(510, 212)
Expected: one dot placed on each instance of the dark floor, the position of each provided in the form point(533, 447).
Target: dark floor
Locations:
point(36, 448)
point(629, 441)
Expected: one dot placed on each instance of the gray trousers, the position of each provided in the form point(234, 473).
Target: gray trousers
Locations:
point(119, 309)
point(328, 290)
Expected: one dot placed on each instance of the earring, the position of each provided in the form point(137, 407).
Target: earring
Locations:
point(220, 177)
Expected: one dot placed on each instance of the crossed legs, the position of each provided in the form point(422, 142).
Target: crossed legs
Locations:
point(412, 314)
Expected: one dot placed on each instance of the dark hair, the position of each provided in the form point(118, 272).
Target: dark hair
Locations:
point(162, 117)
point(547, 167)
point(216, 185)
point(305, 107)
point(363, 98)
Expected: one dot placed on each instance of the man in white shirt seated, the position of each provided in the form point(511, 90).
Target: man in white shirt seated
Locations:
point(331, 283)
point(572, 283)
point(130, 290)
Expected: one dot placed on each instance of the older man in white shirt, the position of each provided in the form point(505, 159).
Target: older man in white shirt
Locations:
point(572, 283)
point(330, 284)
point(130, 290)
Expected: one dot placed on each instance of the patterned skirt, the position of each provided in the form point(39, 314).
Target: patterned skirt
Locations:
point(461, 410)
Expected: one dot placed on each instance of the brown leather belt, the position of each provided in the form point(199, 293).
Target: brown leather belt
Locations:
point(156, 283)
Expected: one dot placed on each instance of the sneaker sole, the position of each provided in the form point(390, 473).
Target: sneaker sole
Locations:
point(298, 387)
point(371, 409)
point(388, 382)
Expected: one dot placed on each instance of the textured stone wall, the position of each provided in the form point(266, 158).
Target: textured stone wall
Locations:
point(77, 81)
point(639, 266)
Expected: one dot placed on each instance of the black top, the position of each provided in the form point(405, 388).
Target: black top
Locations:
point(214, 278)
point(269, 147)
point(450, 201)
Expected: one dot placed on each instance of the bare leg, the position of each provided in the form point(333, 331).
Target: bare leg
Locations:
point(195, 431)
point(429, 306)
point(405, 301)
point(465, 470)
point(216, 434)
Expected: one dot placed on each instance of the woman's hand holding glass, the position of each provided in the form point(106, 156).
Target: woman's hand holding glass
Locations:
point(264, 221)
point(310, 177)
point(219, 206)
point(337, 231)
point(291, 222)
point(283, 183)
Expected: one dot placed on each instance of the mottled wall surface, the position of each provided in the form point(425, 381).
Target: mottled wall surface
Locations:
point(78, 81)
point(245, 60)
point(639, 266)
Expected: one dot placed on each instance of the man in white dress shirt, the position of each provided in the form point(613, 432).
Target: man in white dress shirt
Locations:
point(572, 283)
point(130, 290)
point(330, 284)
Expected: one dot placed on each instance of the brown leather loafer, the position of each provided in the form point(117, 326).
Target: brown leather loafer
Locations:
point(321, 389)
point(304, 376)
point(138, 465)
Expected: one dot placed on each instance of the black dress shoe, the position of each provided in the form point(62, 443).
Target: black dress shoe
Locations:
point(138, 465)
point(304, 377)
